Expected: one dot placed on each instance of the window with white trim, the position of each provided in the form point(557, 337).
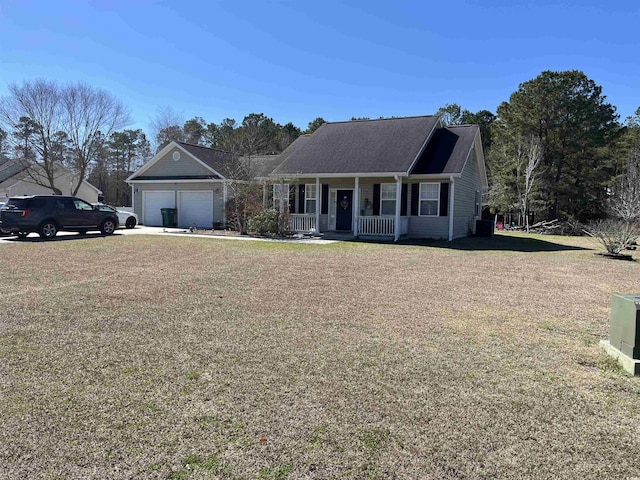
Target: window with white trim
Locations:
point(310, 198)
point(478, 201)
point(278, 193)
point(429, 199)
point(388, 199)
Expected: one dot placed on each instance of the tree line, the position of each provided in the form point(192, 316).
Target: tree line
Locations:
point(555, 149)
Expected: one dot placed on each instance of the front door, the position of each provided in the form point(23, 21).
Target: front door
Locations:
point(344, 209)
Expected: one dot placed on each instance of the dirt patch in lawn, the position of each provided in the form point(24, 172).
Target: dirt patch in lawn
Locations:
point(165, 357)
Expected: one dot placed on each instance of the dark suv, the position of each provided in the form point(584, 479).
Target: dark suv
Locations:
point(49, 214)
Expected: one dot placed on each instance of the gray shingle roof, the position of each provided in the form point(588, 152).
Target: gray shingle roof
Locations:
point(9, 168)
point(447, 151)
point(213, 157)
point(367, 146)
point(261, 166)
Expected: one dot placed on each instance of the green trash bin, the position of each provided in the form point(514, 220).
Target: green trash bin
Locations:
point(169, 217)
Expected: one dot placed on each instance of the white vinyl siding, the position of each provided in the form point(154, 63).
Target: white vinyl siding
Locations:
point(310, 198)
point(168, 167)
point(388, 199)
point(429, 199)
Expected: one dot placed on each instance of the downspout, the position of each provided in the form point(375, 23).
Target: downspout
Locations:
point(451, 202)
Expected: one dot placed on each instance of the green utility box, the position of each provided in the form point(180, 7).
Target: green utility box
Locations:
point(169, 217)
point(625, 325)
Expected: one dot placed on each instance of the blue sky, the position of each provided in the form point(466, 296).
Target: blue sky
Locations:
point(295, 61)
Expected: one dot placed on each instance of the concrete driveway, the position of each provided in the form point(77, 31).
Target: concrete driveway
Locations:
point(142, 230)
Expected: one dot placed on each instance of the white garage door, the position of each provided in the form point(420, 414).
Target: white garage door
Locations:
point(195, 209)
point(152, 202)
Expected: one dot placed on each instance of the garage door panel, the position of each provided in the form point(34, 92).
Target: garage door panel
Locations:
point(195, 209)
point(153, 202)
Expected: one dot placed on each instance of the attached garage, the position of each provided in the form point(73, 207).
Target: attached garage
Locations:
point(195, 208)
point(185, 177)
point(152, 202)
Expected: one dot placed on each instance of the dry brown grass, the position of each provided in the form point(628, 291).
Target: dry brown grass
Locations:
point(348, 360)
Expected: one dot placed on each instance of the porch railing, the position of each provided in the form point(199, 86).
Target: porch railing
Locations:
point(301, 222)
point(381, 226)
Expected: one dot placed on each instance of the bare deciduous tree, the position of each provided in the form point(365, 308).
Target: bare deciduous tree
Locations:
point(89, 113)
point(531, 171)
point(54, 124)
point(166, 126)
point(624, 201)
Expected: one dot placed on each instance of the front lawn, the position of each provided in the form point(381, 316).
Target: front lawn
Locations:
point(166, 357)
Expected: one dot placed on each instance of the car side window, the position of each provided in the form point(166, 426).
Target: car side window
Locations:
point(82, 205)
point(105, 208)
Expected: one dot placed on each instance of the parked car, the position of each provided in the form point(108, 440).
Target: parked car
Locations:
point(2, 234)
point(126, 219)
point(49, 214)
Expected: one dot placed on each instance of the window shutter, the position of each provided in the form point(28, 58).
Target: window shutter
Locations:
point(325, 199)
point(415, 198)
point(444, 199)
point(376, 199)
point(403, 200)
point(301, 198)
point(292, 199)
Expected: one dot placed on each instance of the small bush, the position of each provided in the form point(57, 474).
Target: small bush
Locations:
point(614, 234)
point(265, 223)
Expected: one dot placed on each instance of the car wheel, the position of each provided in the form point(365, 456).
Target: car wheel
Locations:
point(131, 222)
point(108, 227)
point(23, 234)
point(48, 230)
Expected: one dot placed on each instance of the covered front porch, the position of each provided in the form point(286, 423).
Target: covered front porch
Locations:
point(361, 207)
point(372, 226)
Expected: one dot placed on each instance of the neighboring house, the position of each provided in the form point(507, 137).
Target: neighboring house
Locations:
point(19, 179)
point(389, 177)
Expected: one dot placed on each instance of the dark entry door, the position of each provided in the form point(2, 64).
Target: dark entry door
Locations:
point(344, 206)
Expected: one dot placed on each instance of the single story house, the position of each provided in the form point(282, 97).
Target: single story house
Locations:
point(16, 178)
point(390, 177)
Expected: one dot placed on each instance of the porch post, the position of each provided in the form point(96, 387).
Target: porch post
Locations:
point(281, 197)
point(264, 195)
point(356, 206)
point(224, 203)
point(318, 200)
point(451, 200)
point(396, 223)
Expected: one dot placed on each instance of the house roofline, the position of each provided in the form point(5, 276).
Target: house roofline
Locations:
point(377, 119)
point(424, 145)
point(177, 180)
point(156, 158)
point(339, 175)
point(477, 142)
